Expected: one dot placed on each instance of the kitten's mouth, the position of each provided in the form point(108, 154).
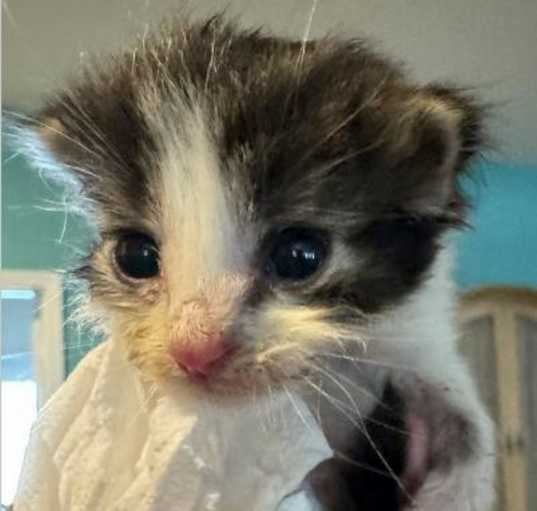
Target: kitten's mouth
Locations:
point(220, 363)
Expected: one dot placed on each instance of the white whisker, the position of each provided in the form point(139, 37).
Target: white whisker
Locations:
point(306, 35)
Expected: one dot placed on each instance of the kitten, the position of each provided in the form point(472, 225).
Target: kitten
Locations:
point(274, 214)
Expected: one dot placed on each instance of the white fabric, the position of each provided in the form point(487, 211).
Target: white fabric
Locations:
point(108, 441)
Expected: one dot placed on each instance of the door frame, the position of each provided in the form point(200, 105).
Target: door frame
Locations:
point(47, 329)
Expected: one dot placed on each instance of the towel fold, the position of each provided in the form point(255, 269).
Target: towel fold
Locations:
point(110, 441)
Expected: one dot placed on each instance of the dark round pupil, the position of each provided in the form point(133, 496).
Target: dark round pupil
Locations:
point(297, 254)
point(137, 256)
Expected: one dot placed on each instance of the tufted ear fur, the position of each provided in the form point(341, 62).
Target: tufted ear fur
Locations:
point(444, 132)
point(62, 149)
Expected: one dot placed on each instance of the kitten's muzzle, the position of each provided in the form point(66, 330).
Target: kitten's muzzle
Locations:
point(200, 344)
point(203, 357)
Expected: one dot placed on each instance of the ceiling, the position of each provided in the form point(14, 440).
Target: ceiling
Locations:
point(487, 44)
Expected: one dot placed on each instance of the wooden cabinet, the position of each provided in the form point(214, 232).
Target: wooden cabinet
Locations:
point(499, 339)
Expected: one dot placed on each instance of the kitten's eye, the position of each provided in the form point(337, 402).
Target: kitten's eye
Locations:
point(296, 254)
point(137, 256)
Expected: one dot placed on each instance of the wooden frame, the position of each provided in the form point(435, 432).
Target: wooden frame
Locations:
point(49, 362)
point(503, 305)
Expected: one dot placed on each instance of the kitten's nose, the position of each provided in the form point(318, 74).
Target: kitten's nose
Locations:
point(202, 356)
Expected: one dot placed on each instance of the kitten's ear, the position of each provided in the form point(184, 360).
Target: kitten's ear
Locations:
point(58, 156)
point(65, 142)
point(51, 131)
point(443, 133)
point(463, 117)
point(51, 146)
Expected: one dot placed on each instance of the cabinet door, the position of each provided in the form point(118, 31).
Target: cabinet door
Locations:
point(478, 345)
point(499, 339)
point(527, 351)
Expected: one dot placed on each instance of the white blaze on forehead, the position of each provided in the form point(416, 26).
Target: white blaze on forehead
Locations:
point(196, 213)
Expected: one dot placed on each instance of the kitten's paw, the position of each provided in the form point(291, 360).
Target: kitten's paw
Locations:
point(417, 451)
point(450, 455)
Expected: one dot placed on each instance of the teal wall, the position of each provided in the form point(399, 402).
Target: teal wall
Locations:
point(501, 249)
point(32, 235)
point(37, 238)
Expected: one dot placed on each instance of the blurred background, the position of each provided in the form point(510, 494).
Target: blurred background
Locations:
point(489, 45)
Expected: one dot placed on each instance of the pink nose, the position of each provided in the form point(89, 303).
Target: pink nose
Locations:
point(201, 357)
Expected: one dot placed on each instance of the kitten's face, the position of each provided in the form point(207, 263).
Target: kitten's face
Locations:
point(258, 201)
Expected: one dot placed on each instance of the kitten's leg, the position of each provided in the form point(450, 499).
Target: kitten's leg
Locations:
point(396, 465)
point(461, 465)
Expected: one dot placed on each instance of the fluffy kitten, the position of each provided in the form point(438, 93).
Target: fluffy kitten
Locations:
point(273, 215)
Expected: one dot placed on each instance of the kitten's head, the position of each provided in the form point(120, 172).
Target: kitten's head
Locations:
point(257, 199)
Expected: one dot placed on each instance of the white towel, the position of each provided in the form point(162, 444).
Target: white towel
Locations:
point(109, 441)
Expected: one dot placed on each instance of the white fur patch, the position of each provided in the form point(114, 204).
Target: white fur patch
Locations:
point(195, 215)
